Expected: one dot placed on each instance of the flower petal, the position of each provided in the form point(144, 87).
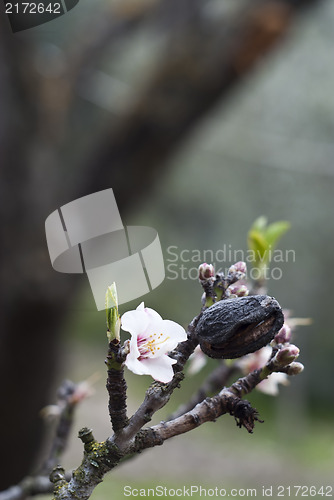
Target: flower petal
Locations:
point(135, 321)
point(159, 368)
point(134, 351)
point(270, 385)
point(166, 335)
point(175, 330)
point(135, 366)
point(152, 314)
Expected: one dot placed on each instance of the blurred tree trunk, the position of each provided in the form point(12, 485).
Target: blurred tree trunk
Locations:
point(31, 311)
point(202, 63)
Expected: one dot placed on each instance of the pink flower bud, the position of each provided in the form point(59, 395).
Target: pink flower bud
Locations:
point(284, 335)
point(287, 355)
point(240, 267)
point(238, 291)
point(206, 271)
point(294, 368)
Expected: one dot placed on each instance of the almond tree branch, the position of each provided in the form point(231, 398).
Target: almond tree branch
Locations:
point(185, 349)
point(30, 486)
point(99, 458)
point(156, 397)
point(116, 387)
point(208, 410)
point(39, 483)
point(67, 405)
point(227, 401)
point(214, 382)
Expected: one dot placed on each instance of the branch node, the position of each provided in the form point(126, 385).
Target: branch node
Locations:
point(196, 419)
point(148, 416)
point(57, 476)
point(175, 382)
point(86, 436)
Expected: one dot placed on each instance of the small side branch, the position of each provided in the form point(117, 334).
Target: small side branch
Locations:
point(227, 401)
point(215, 382)
point(66, 405)
point(208, 410)
point(68, 396)
point(246, 384)
point(156, 397)
point(30, 486)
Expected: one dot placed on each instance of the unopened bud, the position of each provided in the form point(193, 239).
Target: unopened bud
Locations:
point(125, 348)
point(237, 291)
point(238, 267)
point(294, 368)
point(229, 295)
point(113, 317)
point(287, 355)
point(284, 335)
point(206, 271)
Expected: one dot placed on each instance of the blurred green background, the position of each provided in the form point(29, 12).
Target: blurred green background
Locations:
point(265, 148)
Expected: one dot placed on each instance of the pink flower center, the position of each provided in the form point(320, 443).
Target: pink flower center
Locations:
point(149, 346)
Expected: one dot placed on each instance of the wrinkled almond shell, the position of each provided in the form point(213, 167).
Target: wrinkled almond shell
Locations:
point(234, 327)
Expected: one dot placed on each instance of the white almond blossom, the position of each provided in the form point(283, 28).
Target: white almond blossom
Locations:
point(152, 338)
